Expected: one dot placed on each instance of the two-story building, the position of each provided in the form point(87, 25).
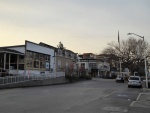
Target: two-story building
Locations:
point(88, 63)
point(65, 60)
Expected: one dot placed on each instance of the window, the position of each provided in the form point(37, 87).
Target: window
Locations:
point(47, 58)
point(37, 61)
point(36, 64)
point(13, 58)
point(29, 55)
point(36, 56)
point(21, 59)
point(92, 65)
point(29, 63)
point(42, 65)
point(134, 78)
point(82, 65)
point(21, 67)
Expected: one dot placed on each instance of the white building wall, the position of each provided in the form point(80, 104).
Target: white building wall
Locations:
point(86, 65)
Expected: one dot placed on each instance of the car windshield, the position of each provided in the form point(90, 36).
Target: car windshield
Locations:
point(134, 78)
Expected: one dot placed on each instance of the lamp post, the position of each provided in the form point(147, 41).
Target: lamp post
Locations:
point(120, 67)
point(144, 58)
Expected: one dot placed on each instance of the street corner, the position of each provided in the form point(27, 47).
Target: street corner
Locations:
point(143, 99)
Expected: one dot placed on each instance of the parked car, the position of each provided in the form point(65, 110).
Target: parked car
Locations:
point(134, 81)
point(120, 79)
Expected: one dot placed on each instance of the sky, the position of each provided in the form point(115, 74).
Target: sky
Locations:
point(83, 26)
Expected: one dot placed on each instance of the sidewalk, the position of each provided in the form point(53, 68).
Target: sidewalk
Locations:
point(146, 90)
point(143, 100)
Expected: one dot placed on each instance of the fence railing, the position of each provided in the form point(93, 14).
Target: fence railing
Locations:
point(17, 78)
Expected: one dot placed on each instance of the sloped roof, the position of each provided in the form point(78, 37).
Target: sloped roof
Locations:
point(55, 48)
point(12, 46)
point(3, 50)
point(46, 45)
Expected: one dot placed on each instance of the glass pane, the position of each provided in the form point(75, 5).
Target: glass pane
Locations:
point(29, 63)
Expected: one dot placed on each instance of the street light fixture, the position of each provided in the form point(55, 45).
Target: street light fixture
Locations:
point(136, 35)
point(144, 58)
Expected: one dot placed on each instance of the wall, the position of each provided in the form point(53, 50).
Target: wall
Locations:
point(63, 60)
point(51, 81)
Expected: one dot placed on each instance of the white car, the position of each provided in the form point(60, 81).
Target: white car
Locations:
point(134, 81)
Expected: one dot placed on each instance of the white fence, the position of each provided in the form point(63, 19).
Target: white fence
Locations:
point(17, 78)
point(60, 74)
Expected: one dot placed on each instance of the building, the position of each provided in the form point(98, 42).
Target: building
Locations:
point(65, 60)
point(27, 59)
point(88, 63)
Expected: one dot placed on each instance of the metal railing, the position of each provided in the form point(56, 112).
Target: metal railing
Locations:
point(17, 78)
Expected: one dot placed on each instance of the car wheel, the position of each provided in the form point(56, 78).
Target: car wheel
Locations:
point(128, 86)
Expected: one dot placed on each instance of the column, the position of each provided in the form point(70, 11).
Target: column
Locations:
point(4, 61)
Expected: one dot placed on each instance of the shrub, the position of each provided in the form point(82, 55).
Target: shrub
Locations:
point(87, 77)
point(72, 78)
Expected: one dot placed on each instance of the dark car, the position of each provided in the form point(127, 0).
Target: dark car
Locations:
point(120, 79)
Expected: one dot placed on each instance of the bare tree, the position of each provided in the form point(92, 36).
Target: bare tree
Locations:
point(131, 53)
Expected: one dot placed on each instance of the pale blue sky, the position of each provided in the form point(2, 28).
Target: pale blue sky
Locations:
point(81, 25)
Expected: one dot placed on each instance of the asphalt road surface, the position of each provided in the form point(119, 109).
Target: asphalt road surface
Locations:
point(94, 96)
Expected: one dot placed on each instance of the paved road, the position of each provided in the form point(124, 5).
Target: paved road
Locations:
point(94, 96)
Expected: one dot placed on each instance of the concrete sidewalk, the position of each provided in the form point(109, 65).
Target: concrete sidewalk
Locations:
point(143, 99)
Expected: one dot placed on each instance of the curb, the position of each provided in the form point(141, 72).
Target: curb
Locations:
point(145, 90)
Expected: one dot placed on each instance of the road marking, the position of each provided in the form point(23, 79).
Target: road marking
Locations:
point(120, 95)
point(109, 94)
point(132, 103)
point(125, 110)
point(138, 97)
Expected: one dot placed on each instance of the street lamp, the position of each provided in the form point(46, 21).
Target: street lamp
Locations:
point(136, 35)
point(144, 58)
